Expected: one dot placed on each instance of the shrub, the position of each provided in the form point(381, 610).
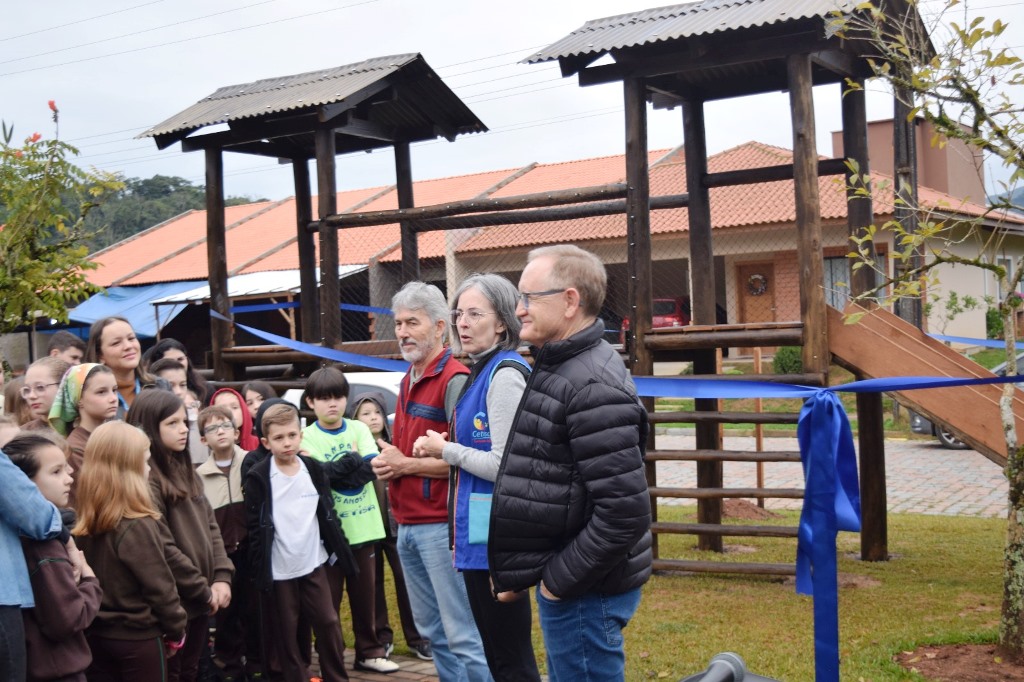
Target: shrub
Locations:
point(788, 360)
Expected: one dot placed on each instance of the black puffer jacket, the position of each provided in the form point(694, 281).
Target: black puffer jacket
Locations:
point(571, 505)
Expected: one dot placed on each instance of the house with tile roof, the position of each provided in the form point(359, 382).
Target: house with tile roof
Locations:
point(753, 230)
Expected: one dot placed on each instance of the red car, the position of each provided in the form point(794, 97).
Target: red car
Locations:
point(665, 312)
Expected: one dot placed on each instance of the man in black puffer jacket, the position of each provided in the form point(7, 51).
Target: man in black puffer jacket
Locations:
point(571, 510)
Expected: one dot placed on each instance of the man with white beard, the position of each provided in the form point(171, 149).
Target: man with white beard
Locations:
point(418, 487)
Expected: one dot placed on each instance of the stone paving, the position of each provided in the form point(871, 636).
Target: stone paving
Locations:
point(921, 476)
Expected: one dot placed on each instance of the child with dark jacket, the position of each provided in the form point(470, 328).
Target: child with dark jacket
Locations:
point(236, 645)
point(200, 561)
point(293, 533)
point(55, 627)
point(141, 620)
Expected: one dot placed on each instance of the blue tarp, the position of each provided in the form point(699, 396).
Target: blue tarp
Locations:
point(133, 304)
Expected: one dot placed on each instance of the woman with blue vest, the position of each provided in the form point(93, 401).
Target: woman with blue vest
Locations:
point(487, 329)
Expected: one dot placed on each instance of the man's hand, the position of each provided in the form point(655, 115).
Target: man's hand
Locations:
point(546, 593)
point(389, 463)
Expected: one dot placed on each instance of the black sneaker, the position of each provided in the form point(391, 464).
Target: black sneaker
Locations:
point(423, 651)
point(388, 648)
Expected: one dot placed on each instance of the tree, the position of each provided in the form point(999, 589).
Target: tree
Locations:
point(969, 89)
point(44, 200)
point(144, 202)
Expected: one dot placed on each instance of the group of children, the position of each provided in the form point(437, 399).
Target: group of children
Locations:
point(268, 528)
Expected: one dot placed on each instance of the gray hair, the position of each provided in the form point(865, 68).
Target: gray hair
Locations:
point(503, 296)
point(574, 267)
point(424, 297)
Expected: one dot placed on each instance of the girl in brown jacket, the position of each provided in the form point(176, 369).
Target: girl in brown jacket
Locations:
point(200, 560)
point(55, 627)
point(140, 618)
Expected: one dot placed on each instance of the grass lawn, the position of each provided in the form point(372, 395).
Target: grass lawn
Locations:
point(943, 584)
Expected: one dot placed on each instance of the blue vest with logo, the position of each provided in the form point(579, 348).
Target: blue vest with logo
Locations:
point(471, 428)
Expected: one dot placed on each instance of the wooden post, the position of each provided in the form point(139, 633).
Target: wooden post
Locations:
point(874, 542)
point(403, 182)
point(309, 297)
point(221, 335)
point(905, 176)
point(327, 204)
point(810, 258)
point(639, 290)
point(759, 428)
point(702, 304)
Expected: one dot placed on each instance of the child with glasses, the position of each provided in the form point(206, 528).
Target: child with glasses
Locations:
point(40, 389)
point(221, 475)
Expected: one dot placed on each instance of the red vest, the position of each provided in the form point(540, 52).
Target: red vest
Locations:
point(415, 499)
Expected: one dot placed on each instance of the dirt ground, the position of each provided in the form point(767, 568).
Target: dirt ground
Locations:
point(961, 663)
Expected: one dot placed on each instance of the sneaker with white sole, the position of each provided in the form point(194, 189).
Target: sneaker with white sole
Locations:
point(376, 665)
point(388, 649)
point(423, 651)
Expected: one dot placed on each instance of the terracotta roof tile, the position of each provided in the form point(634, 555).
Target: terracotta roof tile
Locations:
point(742, 205)
point(140, 252)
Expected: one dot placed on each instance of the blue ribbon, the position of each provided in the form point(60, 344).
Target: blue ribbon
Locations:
point(382, 364)
point(831, 491)
point(988, 343)
point(831, 504)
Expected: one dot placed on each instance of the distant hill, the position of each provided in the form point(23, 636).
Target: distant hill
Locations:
point(1016, 198)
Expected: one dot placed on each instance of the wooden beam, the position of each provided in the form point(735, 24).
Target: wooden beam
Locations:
point(720, 55)
point(719, 339)
point(810, 258)
point(702, 274)
point(639, 289)
point(476, 205)
point(874, 532)
point(327, 113)
point(221, 336)
point(410, 240)
point(909, 308)
point(750, 176)
point(309, 297)
point(542, 215)
point(327, 204)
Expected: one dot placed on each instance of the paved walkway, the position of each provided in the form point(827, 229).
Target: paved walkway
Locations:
point(921, 477)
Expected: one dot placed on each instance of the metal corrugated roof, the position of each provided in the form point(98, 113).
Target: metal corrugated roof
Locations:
point(308, 90)
point(253, 284)
point(663, 24)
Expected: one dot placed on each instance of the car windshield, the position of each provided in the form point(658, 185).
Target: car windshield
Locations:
point(664, 308)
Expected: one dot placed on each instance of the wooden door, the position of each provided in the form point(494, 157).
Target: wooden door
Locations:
point(756, 296)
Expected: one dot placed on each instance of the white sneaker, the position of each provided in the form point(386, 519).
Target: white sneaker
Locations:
point(377, 665)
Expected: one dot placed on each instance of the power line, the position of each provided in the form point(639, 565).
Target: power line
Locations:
point(135, 33)
point(190, 39)
point(80, 21)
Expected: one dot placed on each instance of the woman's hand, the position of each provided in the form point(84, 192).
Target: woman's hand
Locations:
point(430, 445)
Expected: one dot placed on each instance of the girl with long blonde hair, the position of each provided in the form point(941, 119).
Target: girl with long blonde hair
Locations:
point(141, 620)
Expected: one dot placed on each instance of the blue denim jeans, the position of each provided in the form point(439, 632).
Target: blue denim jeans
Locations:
point(583, 636)
point(440, 606)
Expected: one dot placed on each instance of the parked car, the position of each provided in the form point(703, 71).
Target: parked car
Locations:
point(385, 383)
point(665, 312)
point(919, 424)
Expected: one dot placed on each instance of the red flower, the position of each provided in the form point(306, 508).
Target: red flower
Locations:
point(18, 154)
point(53, 105)
point(35, 138)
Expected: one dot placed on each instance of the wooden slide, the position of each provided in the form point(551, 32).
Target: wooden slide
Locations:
point(883, 345)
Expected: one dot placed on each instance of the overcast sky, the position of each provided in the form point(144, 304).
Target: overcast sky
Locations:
point(118, 67)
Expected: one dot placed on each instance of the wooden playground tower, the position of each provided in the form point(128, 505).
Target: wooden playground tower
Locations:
point(683, 56)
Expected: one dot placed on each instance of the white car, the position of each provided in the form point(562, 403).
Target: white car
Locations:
point(385, 383)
